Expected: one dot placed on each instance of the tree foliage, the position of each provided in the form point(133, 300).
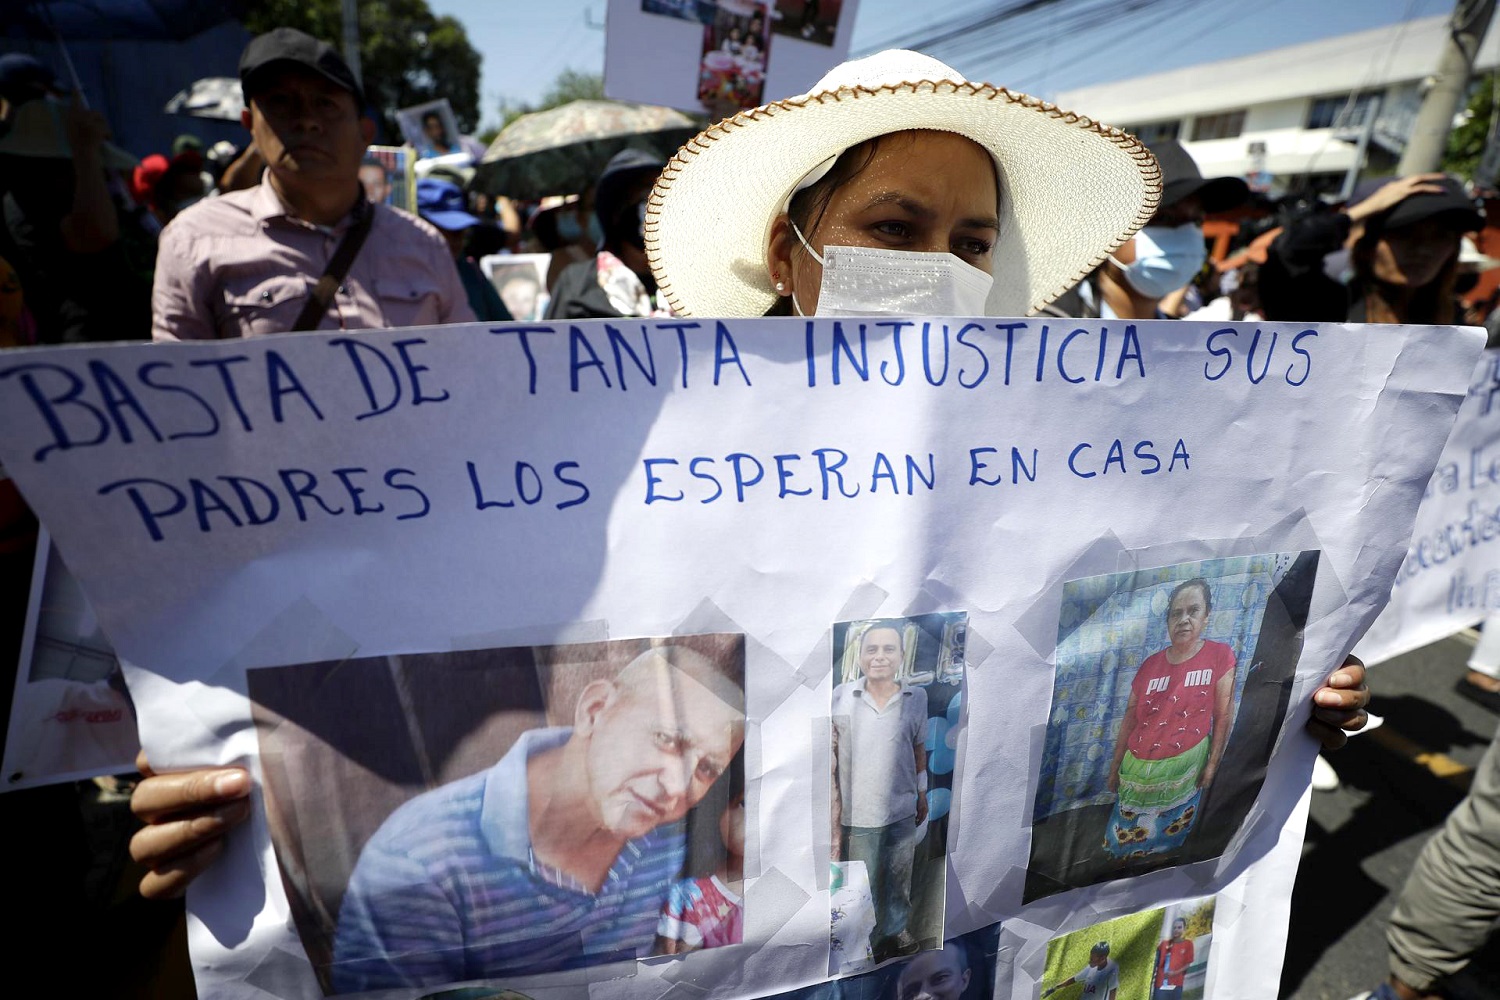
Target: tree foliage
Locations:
point(408, 55)
point(1466, 142)
point(1199, 920)
point(570, 85)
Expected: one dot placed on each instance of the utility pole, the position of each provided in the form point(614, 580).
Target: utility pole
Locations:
point(351, 38)
point(1429, 135)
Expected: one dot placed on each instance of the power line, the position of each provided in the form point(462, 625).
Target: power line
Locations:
point(1078, 16)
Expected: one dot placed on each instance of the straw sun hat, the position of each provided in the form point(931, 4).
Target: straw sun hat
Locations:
point(1071, 190)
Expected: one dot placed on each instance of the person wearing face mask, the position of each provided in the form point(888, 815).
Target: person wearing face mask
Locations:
point(1390, 257)
point(899, 174)
point(1168, 253)
point(557, 225)
point(922, 171)
point(617, 281)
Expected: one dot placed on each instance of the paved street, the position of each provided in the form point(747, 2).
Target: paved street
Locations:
point(1399, 782)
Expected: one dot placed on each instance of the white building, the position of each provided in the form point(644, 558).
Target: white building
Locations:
point(1296, 113)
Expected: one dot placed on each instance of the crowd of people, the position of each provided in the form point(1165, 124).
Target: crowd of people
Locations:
point(1401, 250)
point(921, 202)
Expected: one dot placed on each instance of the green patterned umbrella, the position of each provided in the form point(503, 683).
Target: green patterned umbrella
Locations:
point(562, 151)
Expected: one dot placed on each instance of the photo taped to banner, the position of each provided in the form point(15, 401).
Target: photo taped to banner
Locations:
point(454, 816)
point(895, 710)
point(1171, 688)
point(1160, 953)
point(962, 969)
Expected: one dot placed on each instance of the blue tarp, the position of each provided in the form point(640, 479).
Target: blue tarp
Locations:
point(130, 81)
point(113, 20)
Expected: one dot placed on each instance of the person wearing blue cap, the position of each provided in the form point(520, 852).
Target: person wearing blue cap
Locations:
point(442, 203)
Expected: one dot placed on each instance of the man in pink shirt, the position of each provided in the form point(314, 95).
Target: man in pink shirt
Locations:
point(247, 263)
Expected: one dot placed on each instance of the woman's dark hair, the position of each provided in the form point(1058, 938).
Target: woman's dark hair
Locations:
point(808, 206)
point(1432, 303)
point(1201, 584)
point(735, 778)
point(544, 225)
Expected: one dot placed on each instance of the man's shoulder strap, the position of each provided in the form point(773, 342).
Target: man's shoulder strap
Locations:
point(338, 267)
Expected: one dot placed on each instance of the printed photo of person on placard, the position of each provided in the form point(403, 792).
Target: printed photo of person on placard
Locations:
point(1172, 685)
point(962, 969)
point(386, 175)
point(520, 278)
point(447, 817)
point(1130, 957)
point(732, 71)
point(1181, 964)
point(431, 128)
point(895, 709)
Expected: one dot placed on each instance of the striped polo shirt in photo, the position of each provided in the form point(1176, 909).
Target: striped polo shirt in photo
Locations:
point(447, 890)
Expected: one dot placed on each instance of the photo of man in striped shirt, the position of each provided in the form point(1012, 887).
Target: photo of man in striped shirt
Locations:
point(561, 854)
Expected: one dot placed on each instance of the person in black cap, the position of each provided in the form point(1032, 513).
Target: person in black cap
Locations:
point(1169, 251)
point(1390, 257)
point(23, 78)
point(303, 249)
point(617, 281)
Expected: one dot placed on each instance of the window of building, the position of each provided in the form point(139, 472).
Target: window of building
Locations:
point(1154, 132)
point(1326, 111)
point(1224, 125)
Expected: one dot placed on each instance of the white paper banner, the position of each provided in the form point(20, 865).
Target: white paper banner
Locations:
point(1450, 578)
point(438, 561)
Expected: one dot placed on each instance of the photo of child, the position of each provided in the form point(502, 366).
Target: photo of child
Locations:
point(732, 72)
point(709, 911)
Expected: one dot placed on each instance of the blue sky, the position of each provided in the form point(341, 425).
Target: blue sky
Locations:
point(526, 43)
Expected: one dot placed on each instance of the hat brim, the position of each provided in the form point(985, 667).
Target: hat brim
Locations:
point(1072, 190)
point(451, 221)
point(253, 81)
point(1458, 215)
point(1215, 194)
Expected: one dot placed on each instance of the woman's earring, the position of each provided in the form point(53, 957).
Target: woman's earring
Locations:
point(780, 285)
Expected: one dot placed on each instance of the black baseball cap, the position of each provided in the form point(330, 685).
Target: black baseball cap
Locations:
point(1451, 205)
point(289, 46)
point(24, 77)
point(622, 168)
point(1180, 177)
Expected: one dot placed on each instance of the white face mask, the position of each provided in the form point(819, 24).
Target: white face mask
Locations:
point(865, 281)
point(1165, 259)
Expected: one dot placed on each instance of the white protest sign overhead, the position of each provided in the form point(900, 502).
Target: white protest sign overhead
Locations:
point(1450, 578)
point(718, 58)
point(473, 601)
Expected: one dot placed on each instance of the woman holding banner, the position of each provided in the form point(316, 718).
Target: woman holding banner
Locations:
point(895, 186)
